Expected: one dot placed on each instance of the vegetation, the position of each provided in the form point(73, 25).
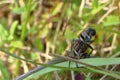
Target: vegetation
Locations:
point(33, 29)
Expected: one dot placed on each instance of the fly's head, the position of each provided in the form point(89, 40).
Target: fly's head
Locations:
point(87, 35)
point(91, 32)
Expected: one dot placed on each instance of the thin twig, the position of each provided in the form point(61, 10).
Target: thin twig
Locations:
point(47, 51)
point(113, 43)
point(106, 14)
point(72, 75)
point(111, 50)
point(103, 77)
point(56, 76)
point(81, 8)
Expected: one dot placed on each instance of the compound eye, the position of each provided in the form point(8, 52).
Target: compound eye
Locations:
point(93, 32)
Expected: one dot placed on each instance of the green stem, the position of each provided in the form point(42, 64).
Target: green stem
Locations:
point(26, 16)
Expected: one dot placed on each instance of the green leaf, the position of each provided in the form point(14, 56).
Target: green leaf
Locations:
point(95, 11)
point(69, 34)
point(3, 34)
point(18, 10)
point(111, 20)
point(95, 4)
point(44, 31)
point(34, 56)
point(38, 44)
point(4, 71)
point(69, 12)
point(64, 65)
point(92, 61)
point(17, 44)
point(12, 30)
point(88, 78)
point(57, 9)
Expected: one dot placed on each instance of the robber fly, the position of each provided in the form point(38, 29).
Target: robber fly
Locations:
point(79, 46)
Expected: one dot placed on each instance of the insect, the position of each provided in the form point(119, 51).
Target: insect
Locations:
point(79, 46)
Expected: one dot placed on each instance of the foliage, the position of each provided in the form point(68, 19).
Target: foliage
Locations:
point(33, 29)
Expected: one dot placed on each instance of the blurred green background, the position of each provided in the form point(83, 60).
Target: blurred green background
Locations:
point(32, 29)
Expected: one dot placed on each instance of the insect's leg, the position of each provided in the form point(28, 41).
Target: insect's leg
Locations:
point(77, 57)
point(73, 42)
point(91, 41)
point(72, 47)
point(75, 51)
point(68, 54)
point(69, 63)
point(77, 65)
point(80, 53)
point(91, 50)
point(85, 55)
